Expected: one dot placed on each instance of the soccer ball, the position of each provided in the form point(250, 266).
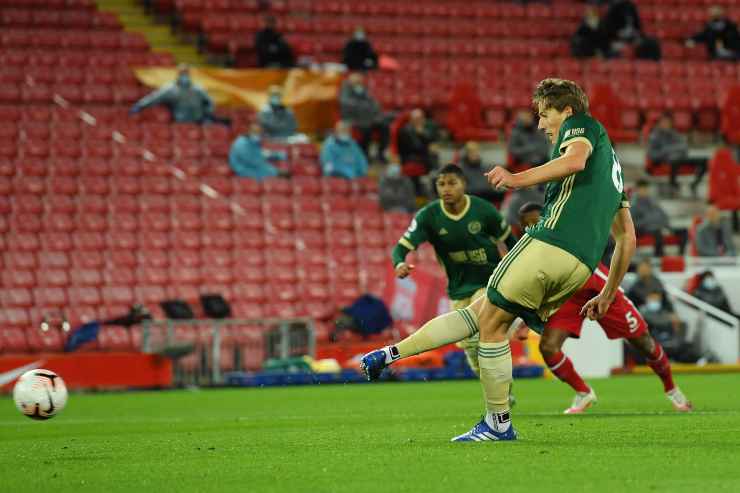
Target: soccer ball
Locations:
point(40, 394)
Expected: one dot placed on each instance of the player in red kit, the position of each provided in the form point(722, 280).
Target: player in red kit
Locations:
point(621, 321)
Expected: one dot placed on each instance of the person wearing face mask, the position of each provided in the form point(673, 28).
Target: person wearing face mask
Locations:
point(249, 160)
point(396, 190)
point(360, 109)
point(341, 156)
point(710, 291)
point(720, 35)
point(358, 53)
point(527, 144)
point(668, 333)
point(276, 119)
point(590, 39)
point(187, 102)
point(647, 282)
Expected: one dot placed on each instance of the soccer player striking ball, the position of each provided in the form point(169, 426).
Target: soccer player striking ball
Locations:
point(469, 237)
point(584, 200)
point(621, 321)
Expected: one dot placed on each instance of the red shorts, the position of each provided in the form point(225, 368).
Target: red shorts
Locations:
point(622, 320)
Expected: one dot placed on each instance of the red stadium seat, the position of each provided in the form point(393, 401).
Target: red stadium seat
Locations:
point(50, 297)
point(114, 339)
point(88, 295)
point(56, 242)
point(13, 340)
point(58, 260)
point(122, 295)
point(18, 278)
point(50, 341)
point(85, 277)
point(52, 278)
point(91, 259)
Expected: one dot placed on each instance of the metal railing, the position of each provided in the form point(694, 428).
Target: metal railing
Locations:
point(719, 331)
point(279, 338)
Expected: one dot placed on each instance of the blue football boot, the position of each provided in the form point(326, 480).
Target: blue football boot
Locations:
point(484, 433)
point(373, 364)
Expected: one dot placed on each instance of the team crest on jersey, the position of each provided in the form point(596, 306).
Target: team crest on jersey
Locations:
point(474, 227)
point(442, 232)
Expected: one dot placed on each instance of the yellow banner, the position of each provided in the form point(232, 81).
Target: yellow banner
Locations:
point(312, 95)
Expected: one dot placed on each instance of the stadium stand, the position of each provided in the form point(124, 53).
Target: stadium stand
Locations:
point(90, 219)
point(440, 44)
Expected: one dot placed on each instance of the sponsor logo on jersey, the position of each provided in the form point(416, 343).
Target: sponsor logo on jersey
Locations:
point(574, 132)
point(474, 227)
point(442, 232)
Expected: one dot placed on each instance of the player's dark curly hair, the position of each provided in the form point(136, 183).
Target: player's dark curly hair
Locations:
point(559, 93)
point(452, 169)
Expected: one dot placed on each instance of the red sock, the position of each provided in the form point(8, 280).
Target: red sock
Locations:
point(661, 366)
point(562, 367)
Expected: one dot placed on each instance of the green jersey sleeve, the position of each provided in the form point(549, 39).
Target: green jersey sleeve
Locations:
point(416, 234)
point(579, 128)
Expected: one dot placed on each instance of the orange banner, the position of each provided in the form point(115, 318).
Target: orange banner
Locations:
point(312, 95)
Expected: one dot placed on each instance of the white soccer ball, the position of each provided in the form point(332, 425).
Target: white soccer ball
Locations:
point(40, 394)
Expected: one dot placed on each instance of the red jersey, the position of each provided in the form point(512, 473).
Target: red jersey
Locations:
point(622, 320)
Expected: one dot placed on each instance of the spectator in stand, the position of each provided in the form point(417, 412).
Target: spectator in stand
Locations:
point(528, 144)
point(277, 120)
point(362, 111)
point(359, 53)
point(397, 192)
point(720, 35)
point(622, 27)
point(417, 143)
point(474, 171)
point(647, 282)
point(518, 199)
point(249, 160)
point(187, 102)
point(710, 291)
point(668, 330)
point(650, 296)
point(341, 156)
point(590, 39)
point(621, 23)
point(650, 219)
point(714, 236)
point(273, 51)
point(666, 145)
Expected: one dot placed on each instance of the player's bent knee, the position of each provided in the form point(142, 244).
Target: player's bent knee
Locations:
point(493, 322)
point(549, 347)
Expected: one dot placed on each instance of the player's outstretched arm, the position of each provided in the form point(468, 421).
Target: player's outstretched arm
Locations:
point(572, 161)
point(623, 232)
point(398, 255)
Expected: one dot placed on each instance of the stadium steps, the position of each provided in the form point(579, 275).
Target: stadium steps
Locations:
point(135, 19)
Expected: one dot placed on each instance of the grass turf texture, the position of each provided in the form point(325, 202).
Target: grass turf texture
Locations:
point(377, 438)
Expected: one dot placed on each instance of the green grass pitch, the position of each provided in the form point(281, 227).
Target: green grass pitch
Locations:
point(378, 438)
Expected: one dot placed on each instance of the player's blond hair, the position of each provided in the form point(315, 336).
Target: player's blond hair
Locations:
point(559, 93)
